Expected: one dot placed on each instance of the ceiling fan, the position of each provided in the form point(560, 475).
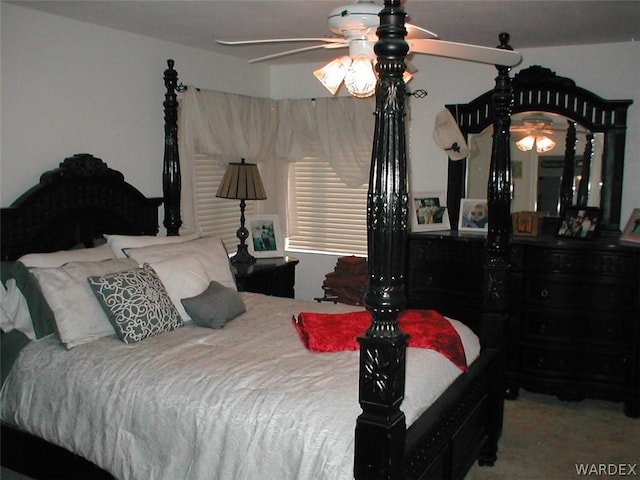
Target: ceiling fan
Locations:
point(354, 26)
point(536, 128)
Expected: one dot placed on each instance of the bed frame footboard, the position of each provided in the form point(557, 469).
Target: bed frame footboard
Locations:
point(461, 426)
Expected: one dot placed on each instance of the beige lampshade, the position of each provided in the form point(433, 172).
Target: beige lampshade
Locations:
point(242, 181)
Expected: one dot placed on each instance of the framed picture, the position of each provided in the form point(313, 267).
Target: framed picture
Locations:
point(265, 236)
point(428, 212)
point(631, 233)
point(526, 224)
point(580, 223)
point(474, 215)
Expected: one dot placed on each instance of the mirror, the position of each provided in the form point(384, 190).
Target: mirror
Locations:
point(537, 168)
point(547, 104)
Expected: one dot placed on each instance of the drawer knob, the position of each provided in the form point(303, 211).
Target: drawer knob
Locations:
point(542, 328)
point(544, 293)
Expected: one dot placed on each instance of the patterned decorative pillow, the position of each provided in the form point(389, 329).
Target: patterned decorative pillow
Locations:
point(136, 303)
point(215, 306)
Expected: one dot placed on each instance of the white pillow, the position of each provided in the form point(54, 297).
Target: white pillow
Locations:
point(55, 259)
point(182, 277)
point(118, 243)
point(78, 315)
point(208, 250)
point(14, 312)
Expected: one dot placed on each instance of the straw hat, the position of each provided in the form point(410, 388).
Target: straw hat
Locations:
point(448, 136)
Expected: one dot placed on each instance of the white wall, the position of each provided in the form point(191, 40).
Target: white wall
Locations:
point(70, 87)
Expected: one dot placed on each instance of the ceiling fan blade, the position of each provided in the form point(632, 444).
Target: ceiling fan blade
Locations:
point(298, 50)
point(414, 30)
point(463, 51)
point(279, 40)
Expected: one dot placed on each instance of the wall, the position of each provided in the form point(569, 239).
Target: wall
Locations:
point(70, 87)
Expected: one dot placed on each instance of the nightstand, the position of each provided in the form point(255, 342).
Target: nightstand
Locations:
point(271, 276)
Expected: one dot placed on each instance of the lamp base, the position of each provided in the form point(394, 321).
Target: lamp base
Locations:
point(242, 256)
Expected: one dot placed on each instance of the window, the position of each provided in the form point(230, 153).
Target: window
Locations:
point(332, 217)
point(217, 216)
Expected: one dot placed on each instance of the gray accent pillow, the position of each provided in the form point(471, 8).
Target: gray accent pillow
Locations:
point(215, 306)
point(136, 303)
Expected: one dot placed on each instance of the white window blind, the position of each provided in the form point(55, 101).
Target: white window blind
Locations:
point(216, 216)
point(331, 217)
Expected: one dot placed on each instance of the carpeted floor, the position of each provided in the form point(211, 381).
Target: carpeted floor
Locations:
point(547, 439)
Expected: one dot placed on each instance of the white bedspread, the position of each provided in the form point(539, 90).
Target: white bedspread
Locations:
point(244, 402)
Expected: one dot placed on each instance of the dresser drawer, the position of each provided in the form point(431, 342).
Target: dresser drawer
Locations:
point(467, 255)
point(574, 293)
point(589, 328)
point(457, 281)
point(582, 262)
point(575, 366)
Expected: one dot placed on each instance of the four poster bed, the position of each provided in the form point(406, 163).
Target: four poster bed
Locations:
point(189, 403)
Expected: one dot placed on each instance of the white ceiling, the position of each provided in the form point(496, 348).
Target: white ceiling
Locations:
point(535, 23)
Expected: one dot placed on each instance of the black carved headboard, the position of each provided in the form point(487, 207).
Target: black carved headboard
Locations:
point(73, 205)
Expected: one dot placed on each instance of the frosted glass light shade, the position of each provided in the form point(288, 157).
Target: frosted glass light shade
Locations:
point(541, 143)
point(361, 79)
point(333, 73)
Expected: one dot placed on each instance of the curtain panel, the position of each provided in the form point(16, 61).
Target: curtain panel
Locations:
point(273, 133)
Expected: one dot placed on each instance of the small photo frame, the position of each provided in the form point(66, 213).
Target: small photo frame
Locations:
point(428, 212)
point(265, 236)
point(631, 232)
point(526, 224)
point(474, 215)
point(580, 223)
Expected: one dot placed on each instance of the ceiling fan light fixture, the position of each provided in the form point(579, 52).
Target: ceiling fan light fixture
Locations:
point(333, 73)
point(407, 76)
point(544, 144)
point(541, 143)
point(361, 78)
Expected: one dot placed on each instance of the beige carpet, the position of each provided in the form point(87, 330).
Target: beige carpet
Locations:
point(545, 438)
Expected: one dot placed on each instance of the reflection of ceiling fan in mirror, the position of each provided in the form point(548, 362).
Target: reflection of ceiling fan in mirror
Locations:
point(354, 26)
point(537, 130)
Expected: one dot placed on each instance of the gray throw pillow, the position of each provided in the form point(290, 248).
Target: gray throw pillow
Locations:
point(215, 306)
point(136, 303)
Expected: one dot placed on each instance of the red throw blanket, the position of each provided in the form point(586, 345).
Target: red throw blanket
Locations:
point(334, 332)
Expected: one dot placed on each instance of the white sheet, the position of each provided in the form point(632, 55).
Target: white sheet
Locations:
point(245, 402)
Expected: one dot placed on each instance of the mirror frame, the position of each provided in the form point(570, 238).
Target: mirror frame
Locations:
point(539, 89)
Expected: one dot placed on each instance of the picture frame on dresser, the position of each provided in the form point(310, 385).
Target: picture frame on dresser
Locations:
point(631, 233)
point(429, 212)
point(265, 236)
point(526, 224)
point(474, 215)
point(580, 223)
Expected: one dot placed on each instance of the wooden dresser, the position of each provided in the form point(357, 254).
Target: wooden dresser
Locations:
point(574, 313)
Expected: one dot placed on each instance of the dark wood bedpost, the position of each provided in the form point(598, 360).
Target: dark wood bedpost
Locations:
point(171, 185)
point(381, 428)
point(568, 169)
point(496, 265)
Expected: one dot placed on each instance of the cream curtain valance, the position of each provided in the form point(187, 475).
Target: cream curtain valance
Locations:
point(226, 127)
